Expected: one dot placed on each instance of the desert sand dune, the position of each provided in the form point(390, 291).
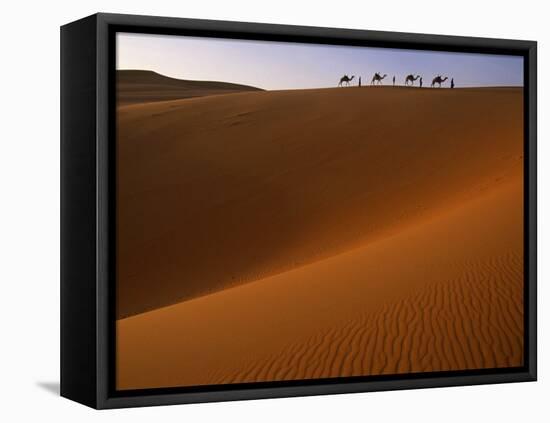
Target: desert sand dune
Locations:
point(217, 191)
point(139, 86)
point(443, 294)
point(472, 322)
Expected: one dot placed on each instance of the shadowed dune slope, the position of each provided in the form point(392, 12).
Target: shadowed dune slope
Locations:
point(217, 191)
point(140, 86)
point(443, 294)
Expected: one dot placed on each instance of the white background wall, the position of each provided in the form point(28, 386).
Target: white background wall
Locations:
point(29, 212)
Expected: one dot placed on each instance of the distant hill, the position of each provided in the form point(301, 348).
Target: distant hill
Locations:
point(142, 86)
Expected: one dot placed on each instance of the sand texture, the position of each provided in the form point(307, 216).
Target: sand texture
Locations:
point(319, 233)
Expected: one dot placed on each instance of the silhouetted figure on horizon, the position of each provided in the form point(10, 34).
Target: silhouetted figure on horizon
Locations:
point(410, 79)
point(377, 78)
point(452, 83)
point(394, 80)
point(359, 82)
point(345, 79)
point(420, 82)
point(438, 80)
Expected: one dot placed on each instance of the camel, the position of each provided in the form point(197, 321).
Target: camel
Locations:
point(377, 79)
point(345, 79)
point(410, 78)
point(438, 80)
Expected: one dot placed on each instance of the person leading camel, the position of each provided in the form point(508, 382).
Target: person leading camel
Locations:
point(411, 78)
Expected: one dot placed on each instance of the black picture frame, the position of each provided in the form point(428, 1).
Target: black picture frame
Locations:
point(88, 205)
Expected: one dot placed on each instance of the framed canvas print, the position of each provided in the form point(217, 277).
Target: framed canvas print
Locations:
point(255, 211)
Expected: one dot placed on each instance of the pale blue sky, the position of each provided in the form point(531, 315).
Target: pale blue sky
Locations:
point(277, 65)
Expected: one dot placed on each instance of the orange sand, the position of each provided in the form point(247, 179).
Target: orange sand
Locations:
point(319, 233)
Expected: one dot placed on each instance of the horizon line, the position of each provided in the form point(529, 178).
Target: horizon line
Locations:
point(367, 85)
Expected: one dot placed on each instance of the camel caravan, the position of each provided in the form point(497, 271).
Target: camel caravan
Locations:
point(410, 80)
